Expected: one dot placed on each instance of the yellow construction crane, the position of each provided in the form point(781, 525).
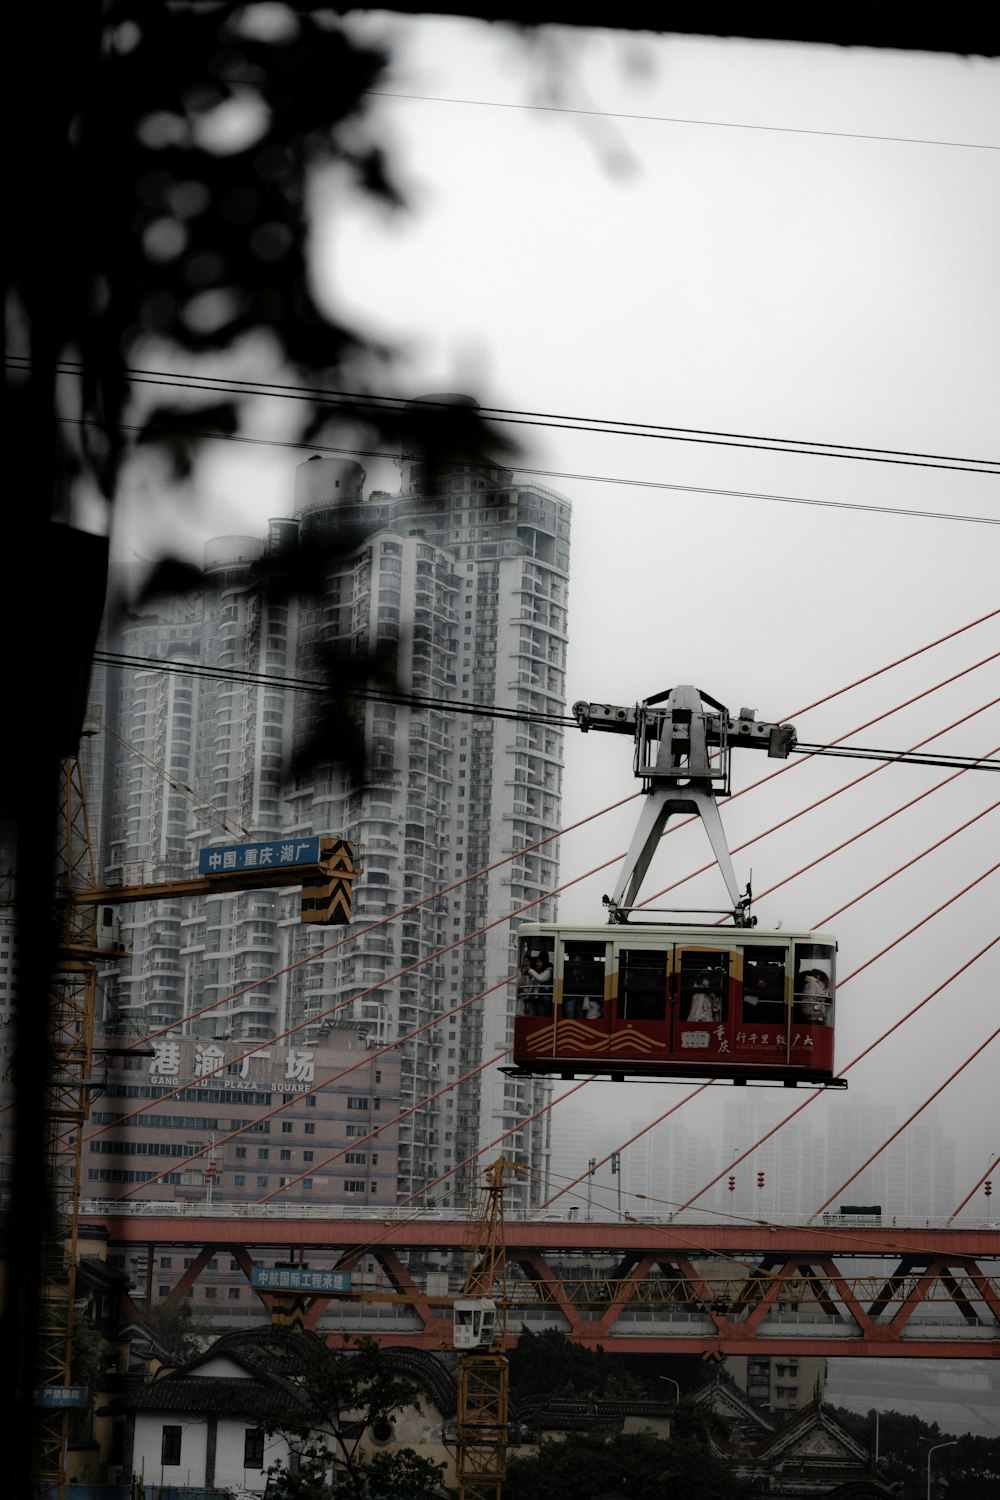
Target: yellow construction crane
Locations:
point(479, 1334)
point(325, 868)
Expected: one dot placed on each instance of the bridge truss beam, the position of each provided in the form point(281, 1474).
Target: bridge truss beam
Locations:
point(636, 1288)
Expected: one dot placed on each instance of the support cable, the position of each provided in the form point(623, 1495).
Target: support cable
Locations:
point(811, 1099)
point(827, 797)
point(313, 1020)
point(909, 1121)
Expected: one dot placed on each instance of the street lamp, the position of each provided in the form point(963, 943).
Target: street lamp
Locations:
point(673, 1383)
point(934, 1450)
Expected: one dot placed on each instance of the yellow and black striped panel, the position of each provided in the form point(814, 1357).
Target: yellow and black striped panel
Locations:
point(326, 891)
point(288, 1312)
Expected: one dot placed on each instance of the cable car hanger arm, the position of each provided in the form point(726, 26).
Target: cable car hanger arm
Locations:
point(683, 743)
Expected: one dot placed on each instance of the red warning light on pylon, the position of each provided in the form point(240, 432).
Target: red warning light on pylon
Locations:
point(987, 1187)
point(732, 1184)
point(760, 1179)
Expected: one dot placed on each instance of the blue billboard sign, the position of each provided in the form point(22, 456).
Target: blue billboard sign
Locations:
point(276, 854)
point(289, 1279)
point(62, 1395)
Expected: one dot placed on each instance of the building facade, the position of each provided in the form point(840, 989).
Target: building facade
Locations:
point(203, 1122)
point(464, 597)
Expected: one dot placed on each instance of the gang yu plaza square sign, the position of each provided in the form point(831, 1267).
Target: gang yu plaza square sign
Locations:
point(270, 1070)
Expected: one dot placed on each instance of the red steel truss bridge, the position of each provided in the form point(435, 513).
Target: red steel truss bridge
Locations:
point(629, 1286)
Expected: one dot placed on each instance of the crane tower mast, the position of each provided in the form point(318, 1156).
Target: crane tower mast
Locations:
point(480, 1330)
point(326, 881)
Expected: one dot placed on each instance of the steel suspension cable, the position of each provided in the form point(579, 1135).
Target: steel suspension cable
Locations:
point(854, 1060)
point(909, 1121)
point(910, 656)
point(277, 1109)
point(497, 922)
point(382, 922)
point(878, 823)
point(828, 797)
point(975, 1188)
point(555, 891)
point(812, 1098)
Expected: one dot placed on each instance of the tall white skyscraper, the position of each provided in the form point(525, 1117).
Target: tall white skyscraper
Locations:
point(466, 596)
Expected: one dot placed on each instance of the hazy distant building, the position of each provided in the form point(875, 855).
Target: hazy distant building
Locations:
point(666, 1166)
point(468, 595)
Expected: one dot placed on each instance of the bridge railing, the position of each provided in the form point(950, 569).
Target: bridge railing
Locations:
point(110, 1208)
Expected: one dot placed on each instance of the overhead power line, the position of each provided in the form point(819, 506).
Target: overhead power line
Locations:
point(614, 114)
point(434, 1021)
point(356, 403)
point(649, 484)
point(416, 702)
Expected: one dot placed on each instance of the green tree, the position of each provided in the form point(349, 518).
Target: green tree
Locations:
point(971, 1468)
point(549, 1364)
point(637, 1465)
point(341, 1395)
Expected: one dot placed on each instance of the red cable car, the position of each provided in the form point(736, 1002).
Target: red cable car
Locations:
point(639, 999)
point(646, 1001)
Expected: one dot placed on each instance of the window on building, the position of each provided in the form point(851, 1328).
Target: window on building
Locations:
point(262, 1152)
point(234, 1294)
point(239, 1180)
point(310, 1127)
point(253, 1448)
point(285, 1155)
point(170, 1445)
point(286, 1127)
point(354, 1185)
point(262, 1182)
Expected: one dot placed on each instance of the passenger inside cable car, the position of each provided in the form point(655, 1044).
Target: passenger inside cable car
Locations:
point(534, 983)
point(812, 997)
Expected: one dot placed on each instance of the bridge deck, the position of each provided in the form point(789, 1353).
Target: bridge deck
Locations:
point(638, 1287)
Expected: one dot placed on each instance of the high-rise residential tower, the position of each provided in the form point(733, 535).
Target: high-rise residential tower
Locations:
point(466, 594)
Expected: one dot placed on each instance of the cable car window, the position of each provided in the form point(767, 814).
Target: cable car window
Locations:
point(704, 986)
point(642, 985)
point(534, 980)
point(764, 985)
point(814, 984)
point(583, 981)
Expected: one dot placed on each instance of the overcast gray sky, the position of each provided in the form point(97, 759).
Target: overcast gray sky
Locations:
point(793, 242)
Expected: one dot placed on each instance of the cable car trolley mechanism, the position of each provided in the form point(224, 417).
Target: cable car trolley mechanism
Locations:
point(644, 1000)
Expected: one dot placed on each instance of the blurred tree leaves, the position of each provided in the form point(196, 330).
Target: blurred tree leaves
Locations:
point(165, 180)
point(159, 159)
